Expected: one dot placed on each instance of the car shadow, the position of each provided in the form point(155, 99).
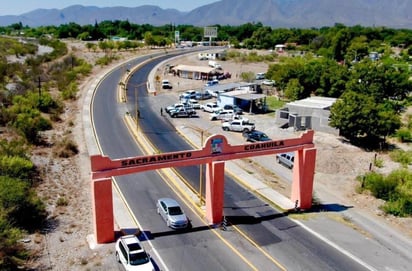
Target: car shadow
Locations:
point(332, 207)
point(233, 220)
point(148, 235)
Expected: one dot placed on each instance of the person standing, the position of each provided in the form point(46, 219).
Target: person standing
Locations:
point(161, 111)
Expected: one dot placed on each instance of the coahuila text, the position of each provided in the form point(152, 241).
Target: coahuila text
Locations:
point(266, 145)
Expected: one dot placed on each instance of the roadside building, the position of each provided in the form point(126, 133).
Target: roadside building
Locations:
point(211, 55)
point(194, 72)
point(245, 95)
point(310, 113)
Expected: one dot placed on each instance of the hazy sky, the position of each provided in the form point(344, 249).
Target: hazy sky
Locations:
point(17, 7)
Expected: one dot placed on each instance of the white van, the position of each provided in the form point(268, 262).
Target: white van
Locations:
point(286, 158)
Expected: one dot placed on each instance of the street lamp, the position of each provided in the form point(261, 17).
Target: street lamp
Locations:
point(201, 169)
point(137, 112)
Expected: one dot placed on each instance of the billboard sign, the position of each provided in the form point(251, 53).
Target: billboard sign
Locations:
point(210, 32)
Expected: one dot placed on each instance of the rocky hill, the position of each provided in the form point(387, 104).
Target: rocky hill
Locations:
point(275, 13)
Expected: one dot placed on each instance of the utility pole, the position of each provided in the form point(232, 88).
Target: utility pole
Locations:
point(39, 86)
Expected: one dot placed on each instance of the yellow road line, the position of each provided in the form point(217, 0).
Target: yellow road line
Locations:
point(259, 248)
point(169, 180)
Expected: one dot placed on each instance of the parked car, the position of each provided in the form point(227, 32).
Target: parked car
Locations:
point(195, 104)
point(177, 106)
point(286, 158)
point(182, 112)
point(238, 126)
point(172, 213)
point(216, 93)
point(211, 107)
point(260, 76)
point(255, 136)
point(188, 94)
point(236, 109)
point(130, 253)
point(166, 84)
point(223, 114)
point(204, 95)
point(268, 82)
point(223, 76)
point(212, 83)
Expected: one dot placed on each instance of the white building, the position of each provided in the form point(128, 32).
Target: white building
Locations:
point(310, 113)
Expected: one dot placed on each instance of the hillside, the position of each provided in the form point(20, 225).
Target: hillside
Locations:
point(274, 13)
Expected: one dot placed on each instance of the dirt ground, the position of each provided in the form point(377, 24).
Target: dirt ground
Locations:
point(64, 244)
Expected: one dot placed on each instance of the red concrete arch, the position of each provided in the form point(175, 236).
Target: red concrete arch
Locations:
point(214, 153)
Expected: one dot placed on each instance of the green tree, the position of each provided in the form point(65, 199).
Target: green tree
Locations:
point(340, 42)
point(294, 90)
point(248, 76)
point(148, 39)
point(360, 116)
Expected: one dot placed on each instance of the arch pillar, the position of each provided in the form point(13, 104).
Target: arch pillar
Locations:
point(102, 203)
point(215, 179)
point(303, 175)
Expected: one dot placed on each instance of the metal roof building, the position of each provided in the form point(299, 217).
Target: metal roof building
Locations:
point(310, 113)
point(194, 72)
point(245, 96)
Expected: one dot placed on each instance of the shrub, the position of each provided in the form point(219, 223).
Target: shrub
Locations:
point(378, 162)
point(401, 207)
point(70, 91)
point(16, 167)
point(404, 135)
point(61, 201)
point(400, 156)
point(395, 189)
point(378, 185)
point(66, 148)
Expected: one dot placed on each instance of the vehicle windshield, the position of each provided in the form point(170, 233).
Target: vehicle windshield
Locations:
point(139, 258)
point(175, 210)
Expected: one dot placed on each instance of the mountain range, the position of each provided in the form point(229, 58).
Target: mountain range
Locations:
point(274, 13)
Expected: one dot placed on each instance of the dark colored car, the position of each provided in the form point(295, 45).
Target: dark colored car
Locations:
point(254, 136)
point(236, 109)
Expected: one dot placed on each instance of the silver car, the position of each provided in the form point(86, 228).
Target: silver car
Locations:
point(286, 158)
point(172, 213)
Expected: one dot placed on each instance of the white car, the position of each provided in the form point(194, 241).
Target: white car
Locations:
point(211, 107)
point(268, 82)
point(130, 253)
point(260, 76)
point(166, 84)
point(188, 94)
point(195, 104)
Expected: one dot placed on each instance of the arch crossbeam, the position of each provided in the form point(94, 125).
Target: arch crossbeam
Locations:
point(215, 151)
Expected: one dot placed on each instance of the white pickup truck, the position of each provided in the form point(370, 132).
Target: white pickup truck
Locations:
point(241, 125)
point(214, 64)
point(182, 113)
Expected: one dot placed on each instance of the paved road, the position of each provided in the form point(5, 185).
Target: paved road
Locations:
point(376, 253)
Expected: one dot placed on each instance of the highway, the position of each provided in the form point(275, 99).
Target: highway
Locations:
point(274, 241)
